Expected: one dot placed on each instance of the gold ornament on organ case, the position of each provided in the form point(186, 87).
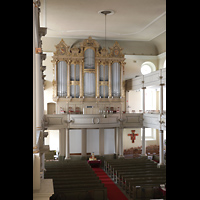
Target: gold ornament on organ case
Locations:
point(116, 52)
point(62, 50)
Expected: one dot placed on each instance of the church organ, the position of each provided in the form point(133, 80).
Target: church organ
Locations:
point(88, 75)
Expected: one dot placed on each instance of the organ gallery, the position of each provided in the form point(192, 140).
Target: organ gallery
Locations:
point(88, 73)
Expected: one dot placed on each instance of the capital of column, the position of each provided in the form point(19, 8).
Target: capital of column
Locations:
point(68, 62)
point(110, 62)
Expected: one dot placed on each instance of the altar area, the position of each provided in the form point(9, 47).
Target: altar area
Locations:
point(93, 162)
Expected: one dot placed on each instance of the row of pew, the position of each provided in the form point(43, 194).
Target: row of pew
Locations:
point(139, 177)
point(74, 180)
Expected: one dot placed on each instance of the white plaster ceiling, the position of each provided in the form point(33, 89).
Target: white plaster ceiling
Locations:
point(133, 20)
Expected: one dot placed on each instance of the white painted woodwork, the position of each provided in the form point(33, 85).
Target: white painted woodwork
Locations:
point(152, 79)
point(151, 121)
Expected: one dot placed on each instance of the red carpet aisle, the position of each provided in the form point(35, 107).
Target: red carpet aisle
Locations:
point(113, 192)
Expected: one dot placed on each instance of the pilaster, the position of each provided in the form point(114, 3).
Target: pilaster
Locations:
point(161, 150)
point(120, 142)
point(101, 141)
point(67, 145)
point(62, 143)
point(84, 142)
point(143, 143)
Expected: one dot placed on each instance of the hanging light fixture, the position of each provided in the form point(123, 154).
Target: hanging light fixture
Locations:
point(106, 12)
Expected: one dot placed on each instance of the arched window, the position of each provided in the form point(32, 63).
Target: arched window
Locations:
point(147, 67)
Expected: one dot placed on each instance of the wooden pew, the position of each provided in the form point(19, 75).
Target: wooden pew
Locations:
point(94, 193)
point(135, 175)
point(129, 181)
point(109, 164)
point(76, 180)
point(133, 184)
point(137, 170)
point(147, 191)
point(78, 173)
point(69, 176)
point(113, 168)
point(72, 181)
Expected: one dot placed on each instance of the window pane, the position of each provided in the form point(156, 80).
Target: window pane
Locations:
point(145, 69)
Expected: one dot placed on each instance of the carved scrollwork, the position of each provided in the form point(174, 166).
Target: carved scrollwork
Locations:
point(116, 51)
point(61, 48)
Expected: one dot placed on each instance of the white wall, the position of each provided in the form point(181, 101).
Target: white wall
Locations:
point(75, 138)
point(127, 139)
point(109, 141)
point(93, 141)
point(52, 140)
point(48, 92)
point(133, 101)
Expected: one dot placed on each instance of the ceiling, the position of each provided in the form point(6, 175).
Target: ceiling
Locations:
point(133, 20)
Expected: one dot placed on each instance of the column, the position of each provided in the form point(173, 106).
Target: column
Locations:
point(120, 142)
point(143, 142)
point(116, 139)
point(161, 151)
point(161, 99)
point(62, 143)
point(81, 78)
point(68, 78)
point(116, 150)
point(101, 141)
point(67, 145)
point(97, 80)
point(84, 141)
point(143, 129)
point(143, 99)
point(36, 171)
point(39, 90)
point(34, 82)
point(109, 80)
